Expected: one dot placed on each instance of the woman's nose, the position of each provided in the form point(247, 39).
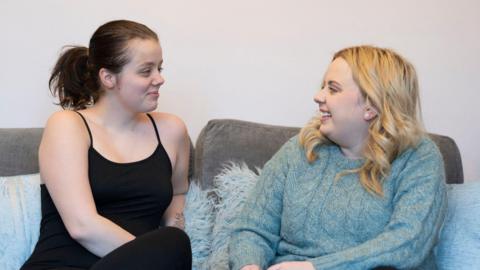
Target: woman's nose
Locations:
point(319, 97)
point(158, 80)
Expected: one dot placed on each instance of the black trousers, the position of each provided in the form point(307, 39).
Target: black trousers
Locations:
point(166, 248)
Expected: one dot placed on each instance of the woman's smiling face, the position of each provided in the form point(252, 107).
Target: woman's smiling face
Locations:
point(342, 106)
point(140, 79)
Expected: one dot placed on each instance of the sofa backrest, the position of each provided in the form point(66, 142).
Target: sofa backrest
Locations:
point(19, 151)
point(225, 140)
point(220, 141)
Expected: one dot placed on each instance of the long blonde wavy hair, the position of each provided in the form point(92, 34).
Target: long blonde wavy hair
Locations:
point(389, 83)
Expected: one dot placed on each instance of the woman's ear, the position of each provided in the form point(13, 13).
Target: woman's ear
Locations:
point(107, 78)
point(370, 113)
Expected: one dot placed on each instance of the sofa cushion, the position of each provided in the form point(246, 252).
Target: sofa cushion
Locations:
point(232, 186)
point(226, 140)
point(199, 218)
point(19, 148)
point(451, 158)
point(20, 218)
point(223, 140)
point(459, 243)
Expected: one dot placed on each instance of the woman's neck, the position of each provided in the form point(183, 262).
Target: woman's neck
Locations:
point(113, 117)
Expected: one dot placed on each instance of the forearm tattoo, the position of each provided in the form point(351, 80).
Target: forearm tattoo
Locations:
point(179, 220)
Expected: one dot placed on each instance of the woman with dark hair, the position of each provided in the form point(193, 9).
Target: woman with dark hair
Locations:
point(114, 173)
point(361, 187)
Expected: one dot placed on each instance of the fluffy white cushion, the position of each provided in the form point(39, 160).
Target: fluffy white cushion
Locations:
point(232, 186)
point(20, 216)
point(199, 217)
point(459, 246)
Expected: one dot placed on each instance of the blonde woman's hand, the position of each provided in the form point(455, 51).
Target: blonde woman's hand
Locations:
point(251, 267)
point(292, 266)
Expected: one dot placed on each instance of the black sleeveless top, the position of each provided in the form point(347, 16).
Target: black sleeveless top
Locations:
point(133, 195)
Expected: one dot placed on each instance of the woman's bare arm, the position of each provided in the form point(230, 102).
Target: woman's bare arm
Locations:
point(63, 157)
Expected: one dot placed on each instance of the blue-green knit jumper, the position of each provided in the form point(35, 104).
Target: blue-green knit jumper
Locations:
point(298, 211)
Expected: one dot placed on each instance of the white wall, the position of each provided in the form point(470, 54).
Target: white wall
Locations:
point(257, 60)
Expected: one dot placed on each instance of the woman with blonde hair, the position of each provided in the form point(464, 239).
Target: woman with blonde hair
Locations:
point(361, 187)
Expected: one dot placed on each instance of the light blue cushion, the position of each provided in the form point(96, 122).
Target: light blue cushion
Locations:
point(459, 246)
point(199, 217)
point(231, 188)
point(20, 216)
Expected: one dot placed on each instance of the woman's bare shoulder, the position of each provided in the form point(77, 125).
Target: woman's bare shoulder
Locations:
point(64, 117)
point(170, 126)
point(65, 126)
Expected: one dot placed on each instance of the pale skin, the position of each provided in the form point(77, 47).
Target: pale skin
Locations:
point(348, 115)
point(122, 133)
point(346, 122)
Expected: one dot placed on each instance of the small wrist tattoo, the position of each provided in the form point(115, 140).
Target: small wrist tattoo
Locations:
point(179, 220)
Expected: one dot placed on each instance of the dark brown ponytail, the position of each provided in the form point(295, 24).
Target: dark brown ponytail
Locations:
point(75, 79)
point(71, 81)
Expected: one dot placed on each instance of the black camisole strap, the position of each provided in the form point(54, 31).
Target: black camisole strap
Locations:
point(155, 127)
point(88, 128)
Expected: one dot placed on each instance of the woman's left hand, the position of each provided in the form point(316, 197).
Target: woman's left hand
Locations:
point(292, 266)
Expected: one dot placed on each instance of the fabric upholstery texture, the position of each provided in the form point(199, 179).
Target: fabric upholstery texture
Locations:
point(233, 140)
point(199, 218)
point(19, 148)
point(459, 245)
point(20, 217)
point(451, 158)
point(231, 188)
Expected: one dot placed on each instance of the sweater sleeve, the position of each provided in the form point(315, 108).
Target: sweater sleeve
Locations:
point(418, 210)
point(255, 233)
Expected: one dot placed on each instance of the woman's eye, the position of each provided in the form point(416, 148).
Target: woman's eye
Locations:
point(332, 90)
point(160, 69)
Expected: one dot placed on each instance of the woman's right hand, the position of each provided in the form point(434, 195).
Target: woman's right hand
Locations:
point(251, 267)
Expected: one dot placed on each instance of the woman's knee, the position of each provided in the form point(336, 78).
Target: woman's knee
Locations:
point(180, 251)
point(178, 238)
point(165, 248)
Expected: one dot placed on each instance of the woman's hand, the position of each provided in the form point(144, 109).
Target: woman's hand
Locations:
point(251, 267)
point(292, 266)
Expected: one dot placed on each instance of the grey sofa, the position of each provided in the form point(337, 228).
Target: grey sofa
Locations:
point(220, 141)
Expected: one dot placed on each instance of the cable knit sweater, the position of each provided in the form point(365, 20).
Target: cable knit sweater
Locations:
point(298, 212)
